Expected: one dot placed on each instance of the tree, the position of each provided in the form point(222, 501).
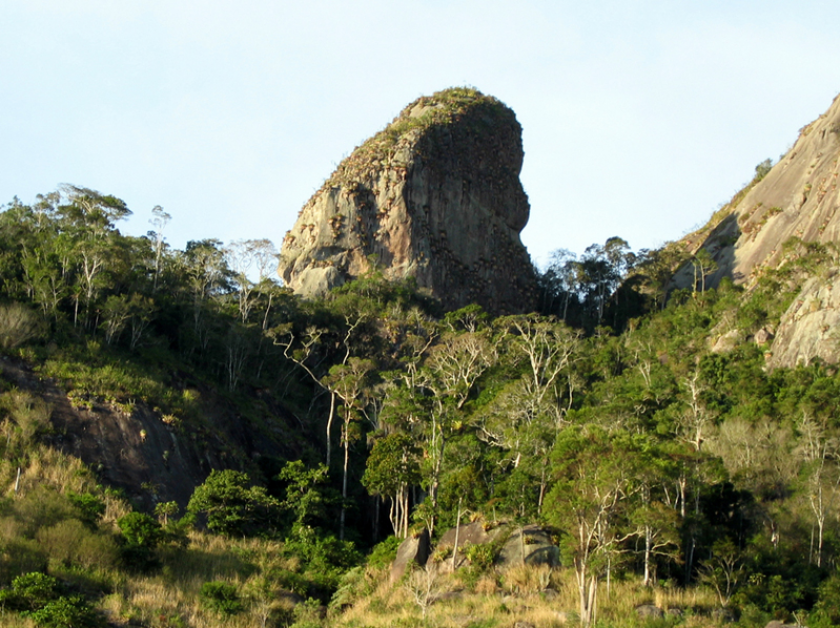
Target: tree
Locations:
point(593, 473)
point(231, 506)
point(89, 217)
point(723, 570)
point(446, 381)
point(142, 534)
point(349, 381)
point(820, 450)
point(306, 492)
point(392, 468)
point(526, 415)
point(243, 256)
point(159, 220)
point(559, 283)
point(704, 265)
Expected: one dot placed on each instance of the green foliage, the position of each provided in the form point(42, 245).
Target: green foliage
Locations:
point(220, 597)
point(383, 553)
point(140, 529)
point(392, 463)
point(827, 609)
point(307, 492)
point(763, 169)
point(230, 505)
point(91, 508)
point(481, 555)
point(308, 614)
point(66, 612)
point(718, 469)
point(30, 591)
point(141, 535)
point(18, 325)
point(73, 543)
point(353, 585)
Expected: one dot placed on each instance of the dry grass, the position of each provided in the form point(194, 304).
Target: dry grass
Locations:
point(172, 595)
point(544, 597)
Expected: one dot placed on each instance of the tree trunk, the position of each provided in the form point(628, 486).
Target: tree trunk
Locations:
point(329, 425)
point(344, 483)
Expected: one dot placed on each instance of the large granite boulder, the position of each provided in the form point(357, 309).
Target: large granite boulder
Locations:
point(435, 196)
point(413, 551)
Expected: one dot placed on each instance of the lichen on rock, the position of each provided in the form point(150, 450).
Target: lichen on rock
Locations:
point(435, 196)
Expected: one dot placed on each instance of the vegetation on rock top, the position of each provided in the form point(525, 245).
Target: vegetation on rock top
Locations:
point(441, 108)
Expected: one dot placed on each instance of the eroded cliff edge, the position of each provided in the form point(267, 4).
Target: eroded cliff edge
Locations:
point(796, 202)
point(436, 196)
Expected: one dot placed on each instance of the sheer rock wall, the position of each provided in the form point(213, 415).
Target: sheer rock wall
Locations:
point(435, 196)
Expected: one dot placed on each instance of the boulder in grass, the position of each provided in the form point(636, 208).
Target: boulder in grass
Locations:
point(649, 611)
point(530, 545)
point(414, 550)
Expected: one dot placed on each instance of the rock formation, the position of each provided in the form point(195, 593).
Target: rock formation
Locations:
point(798, 198)
point(435, 196)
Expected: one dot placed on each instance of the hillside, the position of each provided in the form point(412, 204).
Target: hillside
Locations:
point(187, 444)
point(781, 216)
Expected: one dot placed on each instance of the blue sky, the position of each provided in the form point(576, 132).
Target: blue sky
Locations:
point(640, 117)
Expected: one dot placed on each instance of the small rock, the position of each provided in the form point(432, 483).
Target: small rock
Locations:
point(724, 614)
point(449, 595)
point(523, 624)
point(649, 611)
point(763, 336)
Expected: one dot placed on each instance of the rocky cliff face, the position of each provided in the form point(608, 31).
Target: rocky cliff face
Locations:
point(798, 198)
point(435, 196)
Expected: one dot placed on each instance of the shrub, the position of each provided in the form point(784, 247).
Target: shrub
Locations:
point(481, 555)
point(221, 598)
point(41, 508)
point(231, 506)
point(71, 542)
point(827, 609)
point(21, 556)
point(90, 507)
point(66, 612)
point(140, 529)
point(30, 591)
point(141, 535)
point(18, 325)
point(384, 553)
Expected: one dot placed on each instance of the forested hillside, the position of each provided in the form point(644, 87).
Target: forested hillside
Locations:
point(639, 424)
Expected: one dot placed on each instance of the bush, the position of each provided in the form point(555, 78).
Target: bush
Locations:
point(66, 612)
point(18, 325)
point(29, 592)
point(90, 507)
point(71, 542)
point(21, 556)
point(221, 598)
point(141, 535)
point(384, 553)
point(231, 506)
point(140, 529)
point(827, 609)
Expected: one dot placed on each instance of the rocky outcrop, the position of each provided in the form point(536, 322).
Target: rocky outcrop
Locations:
point(413, 551)
point(435, 196)
point(797, 199)
point(153, 458)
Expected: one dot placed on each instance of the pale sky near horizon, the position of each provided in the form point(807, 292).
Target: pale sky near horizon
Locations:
point(640, 117)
